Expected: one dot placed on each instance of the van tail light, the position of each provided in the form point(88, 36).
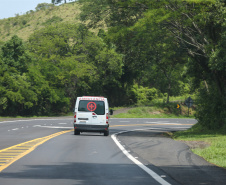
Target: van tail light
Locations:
point(106, 118)
point(75, 117)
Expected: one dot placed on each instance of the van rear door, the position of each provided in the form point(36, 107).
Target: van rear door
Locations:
point(91, 112)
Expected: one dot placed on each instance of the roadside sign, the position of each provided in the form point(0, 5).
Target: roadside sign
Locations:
point(178, 106)
point(189, 102)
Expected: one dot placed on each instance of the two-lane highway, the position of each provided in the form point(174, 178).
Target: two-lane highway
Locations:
point(89, 158)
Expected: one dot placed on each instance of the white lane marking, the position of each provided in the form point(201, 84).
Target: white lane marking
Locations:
point(181, 127)
point(138, 163)
point(171, 123)
point(124, 121)
point(161, 122)
point(36, 120)
point(62, 123)
point(166, 123)
point(15, 129)
point(51, 126)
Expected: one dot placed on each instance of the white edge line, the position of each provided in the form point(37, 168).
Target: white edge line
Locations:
point(138, 163)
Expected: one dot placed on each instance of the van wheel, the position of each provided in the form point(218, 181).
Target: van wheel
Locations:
point(76, 132)
point(106, 133)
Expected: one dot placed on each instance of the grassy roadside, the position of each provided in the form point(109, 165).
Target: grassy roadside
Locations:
point(157, 111)
point(209, 144)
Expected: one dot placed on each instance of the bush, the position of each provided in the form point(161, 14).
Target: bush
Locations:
point(24, 22)
point(43, 6)
point(143, 95)
point(211, 111)
point(54, 19)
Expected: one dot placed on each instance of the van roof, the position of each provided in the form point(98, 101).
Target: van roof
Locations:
point(97, 98)
point(93, 96)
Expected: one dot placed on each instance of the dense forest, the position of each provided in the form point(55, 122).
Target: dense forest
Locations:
point(129, 51)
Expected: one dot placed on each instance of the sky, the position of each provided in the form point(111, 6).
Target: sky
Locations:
point(9, 8)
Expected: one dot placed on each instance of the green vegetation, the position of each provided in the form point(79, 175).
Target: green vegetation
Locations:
point(133, 53)
point(24, 25)
point(175, 47)
point(209, 144)
point(57, 63)
point(158, 110)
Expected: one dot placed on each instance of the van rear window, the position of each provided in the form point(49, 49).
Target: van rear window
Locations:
point(92, 106)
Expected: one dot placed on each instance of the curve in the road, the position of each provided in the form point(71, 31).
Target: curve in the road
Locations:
point(137, 162)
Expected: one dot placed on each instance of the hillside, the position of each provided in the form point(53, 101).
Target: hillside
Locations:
point(24, 25)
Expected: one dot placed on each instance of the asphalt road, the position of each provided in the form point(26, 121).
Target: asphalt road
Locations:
point(35, 155)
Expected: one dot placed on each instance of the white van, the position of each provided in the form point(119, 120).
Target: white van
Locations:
point(91, 115)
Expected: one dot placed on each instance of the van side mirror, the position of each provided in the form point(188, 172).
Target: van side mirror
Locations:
point(111, 111)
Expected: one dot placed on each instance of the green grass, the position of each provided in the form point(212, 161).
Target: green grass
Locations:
point(181, 98)
point(116, 108)
point(127, 115)
point(215, 153)
point(24, 25)
point(158, 111)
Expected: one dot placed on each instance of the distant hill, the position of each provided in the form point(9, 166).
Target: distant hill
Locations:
point(25, 25)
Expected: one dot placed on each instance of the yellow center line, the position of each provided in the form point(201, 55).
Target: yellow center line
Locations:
point(8, 158)
point(16, 151)
point(29, 146)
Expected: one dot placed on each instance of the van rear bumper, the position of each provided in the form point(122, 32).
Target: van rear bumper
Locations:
point(91, 128)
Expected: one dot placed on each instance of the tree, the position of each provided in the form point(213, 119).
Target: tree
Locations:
point(199, 28)
point(141, 47)
point(14, 54)
point(60, 1)
point(17, 94)
point(75, 61)
point(195, 27)
point(43, 6)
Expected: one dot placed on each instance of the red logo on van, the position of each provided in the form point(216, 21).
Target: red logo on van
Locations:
point(91, 106)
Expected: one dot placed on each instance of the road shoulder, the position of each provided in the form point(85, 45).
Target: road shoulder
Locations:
point(173, 157)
